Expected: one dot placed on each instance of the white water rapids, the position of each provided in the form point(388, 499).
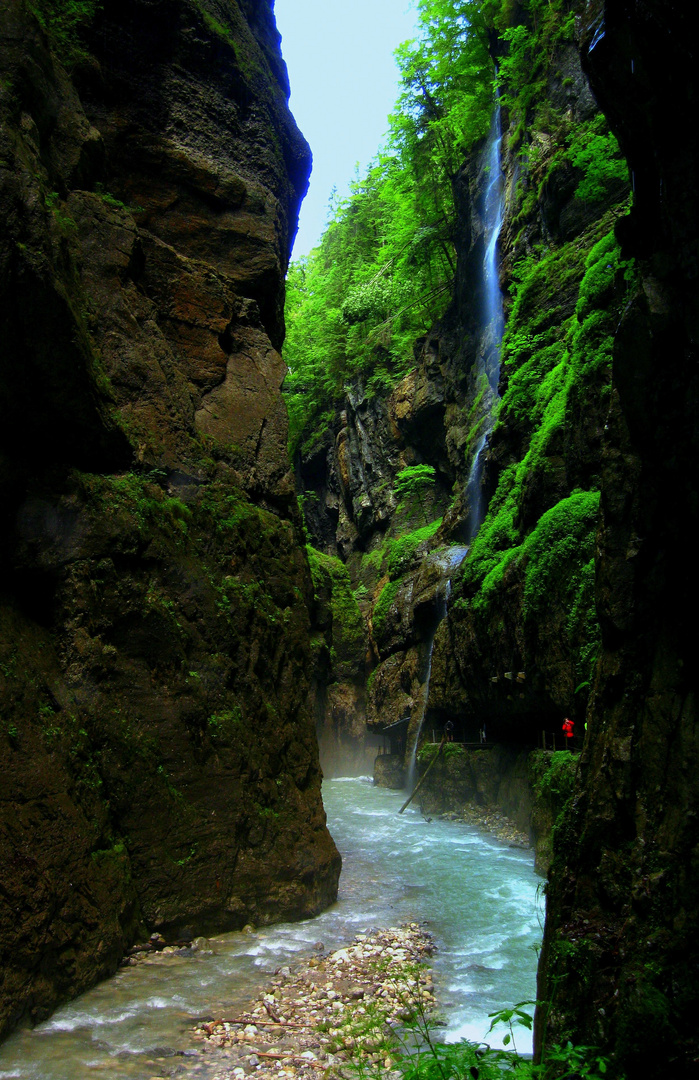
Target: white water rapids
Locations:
point(478, 896)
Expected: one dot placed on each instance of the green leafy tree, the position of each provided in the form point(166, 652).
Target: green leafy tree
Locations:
point(383, 271)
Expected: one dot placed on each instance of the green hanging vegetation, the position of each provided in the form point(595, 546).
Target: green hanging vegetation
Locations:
point(383, 271)
point(411, 486)
point(331, 580)
point(64, 21)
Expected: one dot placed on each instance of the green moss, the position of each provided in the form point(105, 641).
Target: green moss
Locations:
point(372, 563)
point(236, 38)
point(401, 551)
point(348, 630)
point(216, 28)
point(111, 200)
point(452, 750)
point(383, 606)
point(559, 549)
point(140, 497)
point(554, 774)
point(118, 851)
point(223, 727)
point(64, 21)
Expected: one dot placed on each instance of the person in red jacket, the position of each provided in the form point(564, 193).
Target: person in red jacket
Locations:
point(568, 730)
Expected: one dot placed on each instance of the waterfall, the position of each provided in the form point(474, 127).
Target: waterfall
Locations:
point(448, 561)
point(493, 208)
point(487, 371)
point(492, 319)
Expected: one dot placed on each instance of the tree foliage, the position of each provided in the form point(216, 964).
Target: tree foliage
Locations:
point(382, 273)
point(383, 270)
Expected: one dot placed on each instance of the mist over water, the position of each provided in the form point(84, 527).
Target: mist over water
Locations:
point(478, 896)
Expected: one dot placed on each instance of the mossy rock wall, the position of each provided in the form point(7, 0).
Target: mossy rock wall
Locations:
point(620, 951)
point(531, 788)
point(159, 767)
point(522, 635)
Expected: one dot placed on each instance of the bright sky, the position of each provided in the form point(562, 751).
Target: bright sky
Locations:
point(344, 83)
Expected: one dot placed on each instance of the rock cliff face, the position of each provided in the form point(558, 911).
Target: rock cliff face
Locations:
point(521, 636)
point(620, 952)
point(159, 769)
point(582, 578)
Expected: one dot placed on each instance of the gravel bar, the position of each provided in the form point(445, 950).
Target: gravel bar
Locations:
point(351, 1004)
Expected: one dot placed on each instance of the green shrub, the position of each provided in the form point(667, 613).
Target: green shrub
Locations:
point(401, 551)
point(64, 21)
point(412, 484)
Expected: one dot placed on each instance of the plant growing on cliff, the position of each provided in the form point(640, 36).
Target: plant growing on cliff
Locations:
point(331, 578)
point(383, 270)
point(412, 485)
point(402, 550)
point(64, 21)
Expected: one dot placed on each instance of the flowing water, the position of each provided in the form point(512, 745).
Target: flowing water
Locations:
point(493, 212)
point(478, 896)
point(492, 316)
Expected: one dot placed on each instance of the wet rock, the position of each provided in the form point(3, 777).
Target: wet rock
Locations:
point(328, 1018)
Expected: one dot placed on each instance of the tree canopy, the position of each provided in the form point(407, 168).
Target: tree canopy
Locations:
point(383, 271)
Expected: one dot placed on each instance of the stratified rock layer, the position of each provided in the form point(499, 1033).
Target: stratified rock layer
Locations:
point(158, 764)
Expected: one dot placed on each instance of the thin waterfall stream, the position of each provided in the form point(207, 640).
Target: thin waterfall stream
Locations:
point(487, 367)
point(478, 896)
point(447, 561)
point(492, 314)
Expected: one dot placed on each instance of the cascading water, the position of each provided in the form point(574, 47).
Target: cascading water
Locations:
point(492, 315)
point(487, 368)
point(493, 210)
point(418, 717)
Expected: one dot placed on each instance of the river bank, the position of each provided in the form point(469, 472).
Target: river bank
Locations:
point(348, 1005)
point(491, 822)
point(476, 896)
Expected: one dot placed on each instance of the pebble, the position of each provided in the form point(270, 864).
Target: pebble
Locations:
point(491, 821)
point(323, 1005)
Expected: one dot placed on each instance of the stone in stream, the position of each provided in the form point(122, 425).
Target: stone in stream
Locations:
point(322, 1008)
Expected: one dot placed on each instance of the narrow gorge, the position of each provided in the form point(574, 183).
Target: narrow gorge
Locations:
point(436, 501)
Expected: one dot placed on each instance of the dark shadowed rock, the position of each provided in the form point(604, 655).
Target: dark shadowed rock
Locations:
point(158, 767)
point(622, 892)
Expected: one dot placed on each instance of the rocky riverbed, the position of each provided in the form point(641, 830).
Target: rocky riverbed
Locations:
point(490, 821)
point(352, 1004)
